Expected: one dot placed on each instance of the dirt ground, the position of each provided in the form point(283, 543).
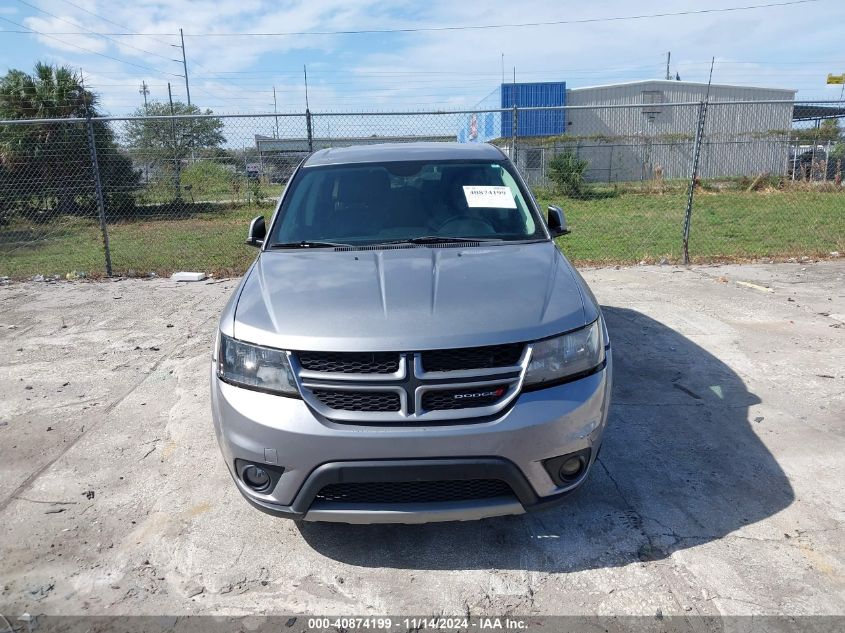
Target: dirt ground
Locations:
point(719, 489)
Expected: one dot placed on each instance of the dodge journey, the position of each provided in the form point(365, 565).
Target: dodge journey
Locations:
point(409, 345)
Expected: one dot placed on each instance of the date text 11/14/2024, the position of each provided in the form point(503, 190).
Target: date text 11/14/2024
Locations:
point(373, 623)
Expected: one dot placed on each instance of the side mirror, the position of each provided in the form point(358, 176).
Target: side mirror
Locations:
point(557, 221)
point(257, 231)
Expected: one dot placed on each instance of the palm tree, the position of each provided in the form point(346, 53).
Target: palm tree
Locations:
point(51, 92)
point(49, 162)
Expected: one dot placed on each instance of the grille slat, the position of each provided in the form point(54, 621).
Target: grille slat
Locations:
point(371, 401)
point(414, 491)
point(472, 357)
point(447, 399)
point(350, 362)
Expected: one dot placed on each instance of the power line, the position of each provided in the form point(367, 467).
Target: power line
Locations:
point(88, 50)
point(476, 27)
point(400, 73)
point(104, 19)
point(771, 62)
point(90, 32)
point(212, 74)
point(521, 25)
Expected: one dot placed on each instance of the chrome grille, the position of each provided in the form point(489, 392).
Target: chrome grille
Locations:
point(472, 357)
point(358, 400)
point(407, 388)
point(414, 491)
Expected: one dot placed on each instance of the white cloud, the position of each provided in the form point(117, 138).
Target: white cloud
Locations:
point(63, 42)
point(443, 68)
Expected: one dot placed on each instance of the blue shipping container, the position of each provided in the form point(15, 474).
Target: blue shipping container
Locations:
point(534, 122)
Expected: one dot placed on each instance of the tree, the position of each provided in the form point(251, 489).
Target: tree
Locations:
point(168, 142)
point(46, 163)
point(833, 134)
point(175, 138)
point(827, 131)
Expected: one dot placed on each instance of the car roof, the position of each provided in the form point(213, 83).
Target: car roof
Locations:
point(391, 152)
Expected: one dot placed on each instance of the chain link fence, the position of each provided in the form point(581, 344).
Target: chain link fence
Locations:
point(647, 182)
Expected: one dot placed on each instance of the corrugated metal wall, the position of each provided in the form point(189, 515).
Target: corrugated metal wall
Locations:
point(534, 122)
point(673, 91)
point(631, 143)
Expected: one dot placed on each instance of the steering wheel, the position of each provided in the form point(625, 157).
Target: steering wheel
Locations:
point(468, 225)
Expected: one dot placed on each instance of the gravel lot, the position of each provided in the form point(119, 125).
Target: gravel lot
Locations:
point(719, 490)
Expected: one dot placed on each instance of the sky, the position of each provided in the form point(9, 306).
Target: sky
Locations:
point(232, 69)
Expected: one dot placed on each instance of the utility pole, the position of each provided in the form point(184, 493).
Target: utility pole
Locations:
point(308, 126)
point(144, 91)
point(668, 59)
point(176, 159)
point(275, 111)
point(185, 67)
point(305, 73)
point(309, 129)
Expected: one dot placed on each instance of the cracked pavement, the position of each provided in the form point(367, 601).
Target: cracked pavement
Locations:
point(719, 488)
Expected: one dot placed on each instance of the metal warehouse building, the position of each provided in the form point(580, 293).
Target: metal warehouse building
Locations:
point(637, 130)
point(739, 140)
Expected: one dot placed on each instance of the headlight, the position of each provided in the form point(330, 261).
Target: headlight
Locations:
point(255, 367)
point(567, 355)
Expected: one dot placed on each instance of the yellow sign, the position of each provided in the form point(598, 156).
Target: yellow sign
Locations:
point(836, 79)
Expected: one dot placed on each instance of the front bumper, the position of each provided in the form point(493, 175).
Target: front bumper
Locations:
point(314, 451)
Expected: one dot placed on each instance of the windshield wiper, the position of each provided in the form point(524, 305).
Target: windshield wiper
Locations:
point(306, 244)
point(438, 239)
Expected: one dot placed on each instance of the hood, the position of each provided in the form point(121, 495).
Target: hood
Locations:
point(410, 299)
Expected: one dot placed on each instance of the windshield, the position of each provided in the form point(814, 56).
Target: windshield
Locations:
point(395, 201)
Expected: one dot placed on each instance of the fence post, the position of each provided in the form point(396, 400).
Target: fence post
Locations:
point(514, 123)
point(696, 153)
point(98, 189)
point(308, 127)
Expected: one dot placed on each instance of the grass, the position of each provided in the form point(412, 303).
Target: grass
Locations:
point(730, 225)
point(606, 228)
point(209, 242)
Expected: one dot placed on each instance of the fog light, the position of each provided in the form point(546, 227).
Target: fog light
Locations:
point(256, 478)
point(567, 469)
point(571, 468)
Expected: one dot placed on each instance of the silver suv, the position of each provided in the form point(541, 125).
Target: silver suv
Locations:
point(409, 345)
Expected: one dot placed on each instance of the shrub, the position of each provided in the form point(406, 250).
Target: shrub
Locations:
point(207, 178)
point(566, 171)
point(256, 191)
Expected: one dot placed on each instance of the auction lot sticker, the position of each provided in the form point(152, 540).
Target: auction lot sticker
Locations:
point(489, 196)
